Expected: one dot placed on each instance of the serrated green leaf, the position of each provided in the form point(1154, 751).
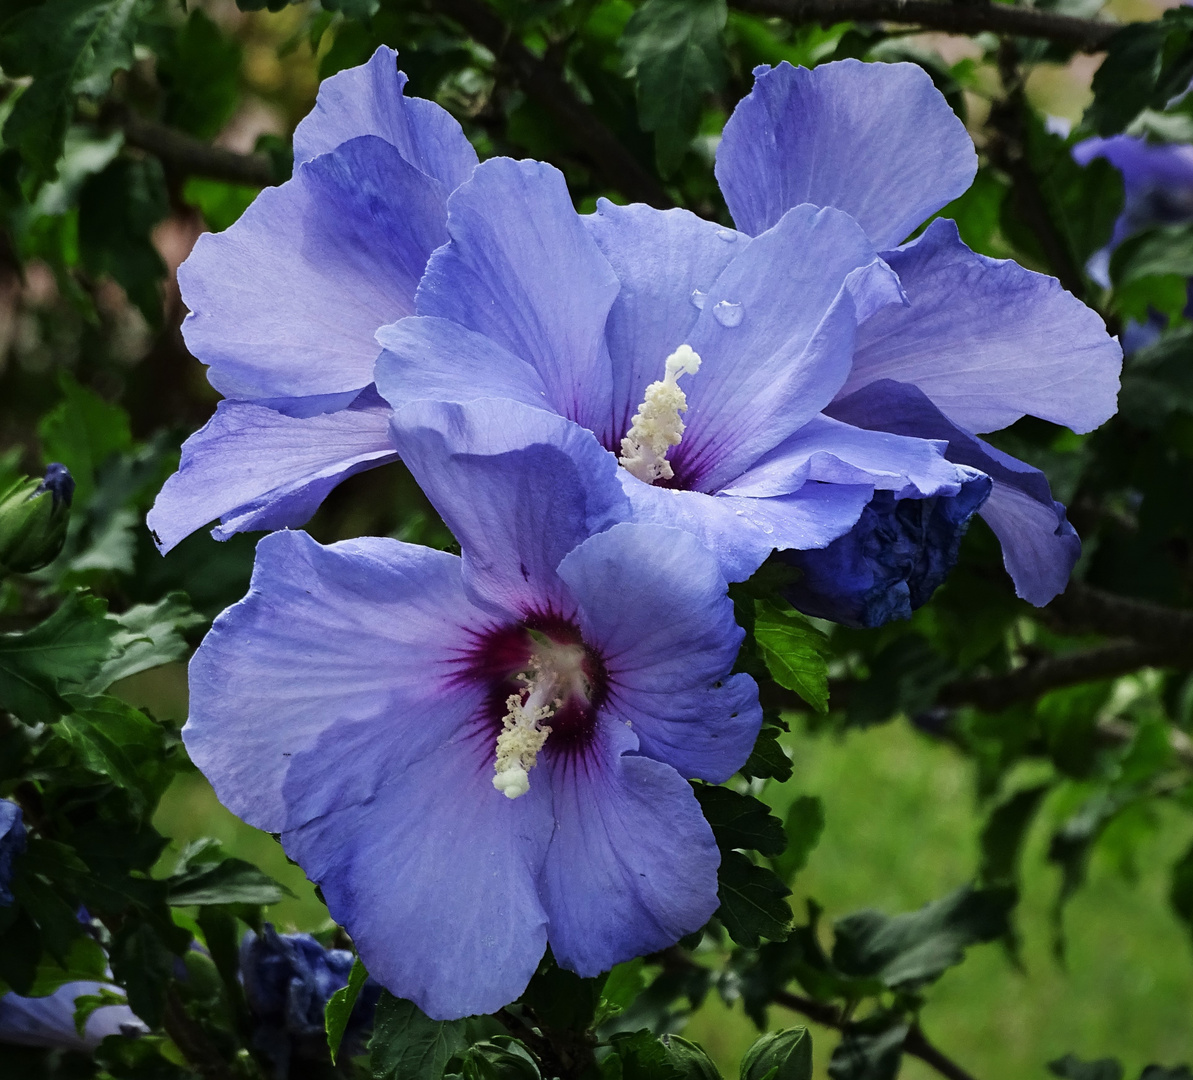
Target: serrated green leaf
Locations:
point(65, 650)
point(150, 635)
point(203, 876)
point(803, 825)
point(740, 821)
point(768, 760)
point(910, 950)
point(408, 1045)
point(870, 1050)
point(340, 1006)
point(673, 50)
point(623, 984)
point(639, 1055)
point(1004, 833)
point(779, 1055)
point(794, 651)
point(83, 431)
point(753, 901)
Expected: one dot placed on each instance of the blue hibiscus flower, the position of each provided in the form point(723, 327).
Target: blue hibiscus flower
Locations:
point(12, 842)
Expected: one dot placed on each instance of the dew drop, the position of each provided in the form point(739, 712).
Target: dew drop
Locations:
point(728, 313)
point(698, 299)
point(728, 235)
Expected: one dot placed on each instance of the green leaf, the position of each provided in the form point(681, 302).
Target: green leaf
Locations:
point(499, 1058)
point(1004, 833)
point(870, 1050)
point(143, 965)
point(767, 760)
point(673, 51)
point(794, 652)
point(150, 635)
point(115, 740)
point(118, 209)
point(204, 877)
point(1071, 1067)
point(408, 1045)
point(83, 431)
point(66, 649)
point(85, 962)
point(740, 821)
point(340, 1006)
point(86, 1004)
point(622, 985)
point(910, 950)
point(1159, 1072)
point(803, 826)
point(1166, 249)
point(1180, 892)
point(753, 901)
point(690, 1059)
point(779, 1055)
point(200, 70)
point(69, 47)
point(639, 1056)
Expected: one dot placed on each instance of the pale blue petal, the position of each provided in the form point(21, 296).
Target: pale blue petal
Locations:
point(878, 141)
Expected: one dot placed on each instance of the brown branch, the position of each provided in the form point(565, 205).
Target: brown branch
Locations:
point(185, 154)
point(546, 84)
point(1085, 35)
point(1086, 608)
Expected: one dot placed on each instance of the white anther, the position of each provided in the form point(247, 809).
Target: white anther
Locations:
point(657, 425)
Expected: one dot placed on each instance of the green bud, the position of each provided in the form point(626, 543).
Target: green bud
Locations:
point(689, 1059)
point(33, 519)
point(781, 1055)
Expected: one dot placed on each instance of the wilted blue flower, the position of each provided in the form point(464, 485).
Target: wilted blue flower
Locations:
point(50, 1021)
point(12, 843)
point(980, 342)
point(288, 981)
point(890, 562)
point(477, 756)
point(285, 303)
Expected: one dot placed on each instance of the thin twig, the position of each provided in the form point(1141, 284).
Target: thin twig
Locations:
point(190, 156)
point(546, 84)
point(1085, 35)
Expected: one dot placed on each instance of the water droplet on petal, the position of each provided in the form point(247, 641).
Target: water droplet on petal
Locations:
point(728, 235)
point(698, 299)
point(740, 513)
point(728, 313)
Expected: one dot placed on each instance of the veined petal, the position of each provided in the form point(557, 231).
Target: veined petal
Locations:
point(519, 487)
point(1039, 546)
point(666, 261)
point(338, 670)
point(654, 603)
point(632, 864)
point(776, 340)
point(832, 452)
point(435, 878)
point(742, 532)
point(427, 359)
point(988, 341)
point(259, 469)
point(522, 269)
point(369, 100)
point(286, 302)
point(878, 141)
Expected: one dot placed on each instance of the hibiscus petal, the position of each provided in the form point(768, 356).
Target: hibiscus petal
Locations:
point(653, 602)
point(428, 359)
point(989, 341)
point(1039, 546)
point(666, 261)
point(435, 879)
point(369, 100)
point(338, 670)
point(742, 532)
point(258, 469)
point(518, 486)
point(776, 340)
point(632, 865)
point(523, 270)
point(286, 302)
point(878, 141)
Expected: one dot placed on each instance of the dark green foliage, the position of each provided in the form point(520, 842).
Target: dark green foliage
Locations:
point(871, 1049)
point(739, 821)
point(339, 1007)
point(780, 1055)
point(407, 1045)
point(753, 904)
point(803, 826)
point(794, 652)
point(1072, 1068)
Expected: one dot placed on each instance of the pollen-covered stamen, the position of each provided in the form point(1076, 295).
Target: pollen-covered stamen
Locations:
point(554, 673)
point(657, 425)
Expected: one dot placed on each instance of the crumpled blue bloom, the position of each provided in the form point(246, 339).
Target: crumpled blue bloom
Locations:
point(288, 981)
point(12, 842)
point(285, 303)
point(980, 342)
point(1157, 190)
point(381, 706)
point(890, 562)
point(49, 1021)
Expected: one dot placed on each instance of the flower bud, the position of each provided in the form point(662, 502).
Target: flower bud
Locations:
point(33, 519)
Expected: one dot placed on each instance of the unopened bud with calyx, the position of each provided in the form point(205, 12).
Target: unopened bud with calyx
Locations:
point(33, 519)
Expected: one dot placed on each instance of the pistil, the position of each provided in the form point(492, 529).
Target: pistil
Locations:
point(657, 425)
